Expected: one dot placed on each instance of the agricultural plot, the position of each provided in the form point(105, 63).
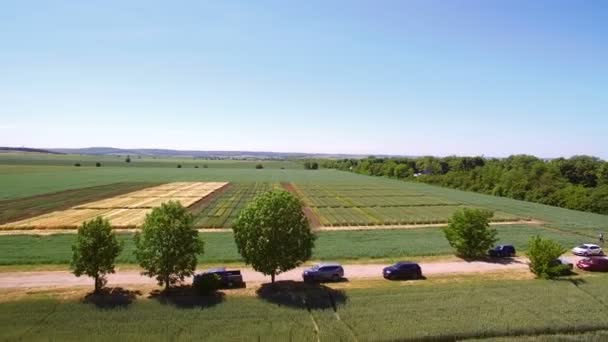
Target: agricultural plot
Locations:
point(346, 205)
point(127, 210)
point(222, 210)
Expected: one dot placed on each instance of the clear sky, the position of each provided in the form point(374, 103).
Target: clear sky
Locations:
point(396, 77)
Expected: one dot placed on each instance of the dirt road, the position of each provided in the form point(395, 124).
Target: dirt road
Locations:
point(351, 271)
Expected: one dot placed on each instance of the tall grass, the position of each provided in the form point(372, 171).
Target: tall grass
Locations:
point(448, 311)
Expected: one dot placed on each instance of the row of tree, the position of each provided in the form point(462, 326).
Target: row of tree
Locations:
point(470, 234)
point(579, 183)
point(272, 235)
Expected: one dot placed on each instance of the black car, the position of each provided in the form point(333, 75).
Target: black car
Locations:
point(229, 279)
point(502, 251)
point(402, 270)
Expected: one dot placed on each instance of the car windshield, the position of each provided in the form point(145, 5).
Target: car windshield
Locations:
point(315, 267)
point(582, 246)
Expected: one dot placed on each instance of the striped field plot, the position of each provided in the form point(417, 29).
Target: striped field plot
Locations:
point(336, 205)
point(127, 210)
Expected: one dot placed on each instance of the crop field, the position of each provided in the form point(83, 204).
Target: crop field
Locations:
point(348, 205)
point(222, 210)
point(461, 310)
point(22, 208)
point(127, 210)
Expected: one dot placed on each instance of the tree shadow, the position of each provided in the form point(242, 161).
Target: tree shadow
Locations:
point(110, 298)
point(185, 297)
point(301, 295)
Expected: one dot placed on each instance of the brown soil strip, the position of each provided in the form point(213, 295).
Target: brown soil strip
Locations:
point(312, 217)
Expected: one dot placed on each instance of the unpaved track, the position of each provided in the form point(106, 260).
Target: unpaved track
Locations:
point(351, 271)
point(229, 230)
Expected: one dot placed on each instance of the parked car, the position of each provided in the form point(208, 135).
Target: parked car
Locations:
point(587, 249)
point(502, 251)
point(562, 261)
point(324, 272)
point(229, 279)
point(402, 270)
point(593, 264)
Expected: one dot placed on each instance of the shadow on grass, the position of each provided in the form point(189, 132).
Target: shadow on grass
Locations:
point(185, 297)
point(110, 298)
point(300, 295)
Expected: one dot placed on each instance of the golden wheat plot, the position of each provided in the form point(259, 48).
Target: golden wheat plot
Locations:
point(127, 210)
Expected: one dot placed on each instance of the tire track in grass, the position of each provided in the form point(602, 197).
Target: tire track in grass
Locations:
point(36, 326)
point(312, 318)
point(337, 315)
point(577, 282)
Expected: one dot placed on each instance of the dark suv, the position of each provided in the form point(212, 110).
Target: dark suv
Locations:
point(324, 272)
point(502, 251)
point(402, 270)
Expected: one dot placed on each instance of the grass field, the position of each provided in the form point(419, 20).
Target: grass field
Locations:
point(426, 310)
point(331, 245)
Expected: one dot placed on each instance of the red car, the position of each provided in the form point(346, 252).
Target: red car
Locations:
point(593, 264)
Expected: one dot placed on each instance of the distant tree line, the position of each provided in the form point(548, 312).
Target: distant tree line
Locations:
point(311, 165)
point(579, 183)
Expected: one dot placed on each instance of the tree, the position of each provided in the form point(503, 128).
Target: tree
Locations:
point(259, 166)
point(314, 166)
point(98, 164)
point(94, 251)
point(469, 232)
point(272, 234)
point(542, 254)
point(128, 160)
point(168, 245)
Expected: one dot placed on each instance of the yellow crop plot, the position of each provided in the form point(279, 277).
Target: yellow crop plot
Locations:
point(127, 210)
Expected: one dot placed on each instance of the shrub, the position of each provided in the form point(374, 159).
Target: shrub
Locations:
point(259, 166)
point(205, 166)
point(542, 254)
point(77, 164)
point(128, 160)
point(469, 232)
point(179, 166)
point(98, 164)
point(206, 283)
point(196, 166)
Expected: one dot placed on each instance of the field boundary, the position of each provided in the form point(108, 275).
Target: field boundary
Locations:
point(73, 230)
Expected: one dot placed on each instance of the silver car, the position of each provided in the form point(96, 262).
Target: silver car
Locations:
point(324, 272)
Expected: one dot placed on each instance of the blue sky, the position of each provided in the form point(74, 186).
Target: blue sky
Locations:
point(371, 77)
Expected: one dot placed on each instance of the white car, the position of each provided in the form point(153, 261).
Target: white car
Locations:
point(587, 249)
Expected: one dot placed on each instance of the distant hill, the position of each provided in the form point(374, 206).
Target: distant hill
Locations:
point(26, 149)
point(199, 154)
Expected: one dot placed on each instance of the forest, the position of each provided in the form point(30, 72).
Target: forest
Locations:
point(579, 182)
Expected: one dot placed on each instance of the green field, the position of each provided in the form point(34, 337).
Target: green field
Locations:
point(433, 311)
point(340, 194)
point(330, 245)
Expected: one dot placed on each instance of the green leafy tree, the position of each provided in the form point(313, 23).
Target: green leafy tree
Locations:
point(168, 245)
point(469, 232)
point(94, 251)
point(272, 234)
point(542, 254)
